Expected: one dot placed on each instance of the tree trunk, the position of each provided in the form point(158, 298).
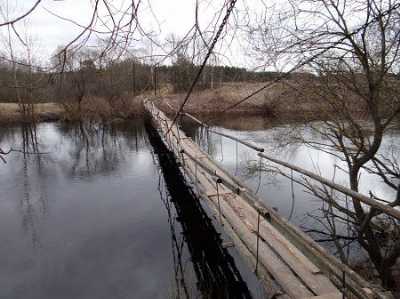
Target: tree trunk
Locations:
point(367, 237)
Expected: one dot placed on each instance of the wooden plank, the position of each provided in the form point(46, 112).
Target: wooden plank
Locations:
point(220, 193)
point(273, 235)
point(335, 295)
point(289, 282)
point(297, 262)
point(281, 269)
point(271, 288)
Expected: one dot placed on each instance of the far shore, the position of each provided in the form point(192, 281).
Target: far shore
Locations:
point(11, 113)
point(276, 104)
point(90, 109)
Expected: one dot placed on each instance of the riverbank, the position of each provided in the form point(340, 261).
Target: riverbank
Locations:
point(286, 101)
point(206, 103)
point(11, 112)
point(89, 109)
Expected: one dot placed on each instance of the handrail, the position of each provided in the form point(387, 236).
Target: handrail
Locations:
point(361, 197)
point(356, 195)
point(248, 144)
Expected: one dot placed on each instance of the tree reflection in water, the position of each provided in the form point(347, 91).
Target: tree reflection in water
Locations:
point(58, 157)
point(82, 150)
point(34, 202)
point(99, 148)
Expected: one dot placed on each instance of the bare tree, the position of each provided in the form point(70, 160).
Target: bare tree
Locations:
point(354, 49)
point(113, 25)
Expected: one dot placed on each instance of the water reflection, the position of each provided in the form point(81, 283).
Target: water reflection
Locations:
point(99, 149)
point(215, 270)
point(33, 203)
point(293, 201)
point(84, 214)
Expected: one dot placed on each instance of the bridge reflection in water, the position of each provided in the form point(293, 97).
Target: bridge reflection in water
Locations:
point(215, 270)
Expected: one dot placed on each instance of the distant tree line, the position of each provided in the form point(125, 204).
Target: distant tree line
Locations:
point(81, 75)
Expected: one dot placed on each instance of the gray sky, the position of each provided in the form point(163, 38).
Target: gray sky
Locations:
point(161, 17)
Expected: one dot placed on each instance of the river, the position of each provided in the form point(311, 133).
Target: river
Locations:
point(86, 212)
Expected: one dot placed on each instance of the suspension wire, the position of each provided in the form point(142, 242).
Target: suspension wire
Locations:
point(178, 130)
point(347, 250)
point(259, 174)
point(344, 284)
point(236, 158)
point(199, 136)
point(276, 80)
point(293, 196)
point(310, 59)
point(258, 241)
point(219, 205)
point(283, 76)
point(222, 149)
point(203, 65)
point(167, 136)
point(348, 229)
point(208, 141)
point(155, 80)
point(195, 173)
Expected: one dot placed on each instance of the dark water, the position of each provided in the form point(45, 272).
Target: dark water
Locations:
point(92, 217)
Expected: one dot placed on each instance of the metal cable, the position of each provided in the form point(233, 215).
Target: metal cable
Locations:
point(219, 204)
point(293, 196)
point(258, 241)
point(210, 50)
point(310, 59)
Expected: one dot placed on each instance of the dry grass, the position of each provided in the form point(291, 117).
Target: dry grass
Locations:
point(292, 100)
point(278, 98)
point(215, 100)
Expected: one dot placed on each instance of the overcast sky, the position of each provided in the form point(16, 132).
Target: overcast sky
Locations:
point(161, 17)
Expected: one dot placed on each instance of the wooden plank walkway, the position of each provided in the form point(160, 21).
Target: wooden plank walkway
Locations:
point(289, 262)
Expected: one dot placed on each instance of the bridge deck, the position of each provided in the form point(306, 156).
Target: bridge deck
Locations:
point(288, 270)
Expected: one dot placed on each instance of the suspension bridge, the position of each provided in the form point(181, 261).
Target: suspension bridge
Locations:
point(288, 262)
